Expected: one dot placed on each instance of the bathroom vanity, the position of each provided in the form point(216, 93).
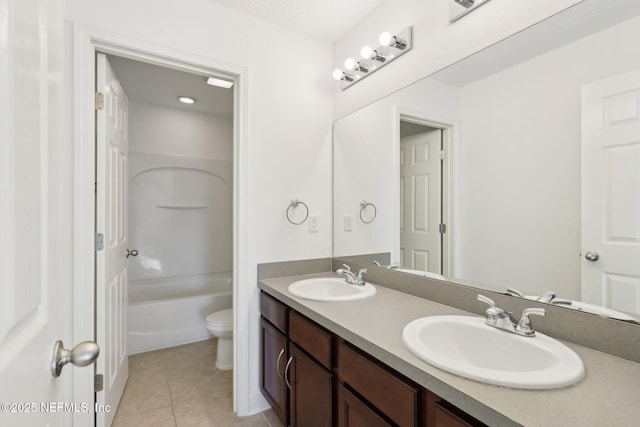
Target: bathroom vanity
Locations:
point(343, 364)
point(306, 368)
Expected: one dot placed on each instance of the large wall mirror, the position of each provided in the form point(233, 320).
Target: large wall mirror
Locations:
point(515, 170)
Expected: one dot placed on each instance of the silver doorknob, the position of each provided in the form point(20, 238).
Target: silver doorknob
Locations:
point(132, 252)
point(83, 354)
point(592, 256)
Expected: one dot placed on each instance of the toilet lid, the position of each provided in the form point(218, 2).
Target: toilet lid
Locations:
point(223, 317)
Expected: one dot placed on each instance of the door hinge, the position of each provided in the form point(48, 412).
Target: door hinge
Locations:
point(99, 241)
point(442, 228)
point(99, 101)
point(442, 154)
point(98, 383)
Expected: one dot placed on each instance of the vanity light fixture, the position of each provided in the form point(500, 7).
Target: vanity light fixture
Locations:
point(391, 47)
point(219, 82)
point(186, 99)
point(386, 39)
point(338, 74)
point(374, 55)
point(460, 8)
point(465, 3)
point(353, 65)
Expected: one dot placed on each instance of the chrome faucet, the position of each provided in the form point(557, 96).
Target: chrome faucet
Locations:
point(350, 276)
point(548, 297)
point(498, 318)
point(388, 267)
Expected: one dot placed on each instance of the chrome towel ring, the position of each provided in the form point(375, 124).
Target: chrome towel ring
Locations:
point(294, 204)
point(363, 206)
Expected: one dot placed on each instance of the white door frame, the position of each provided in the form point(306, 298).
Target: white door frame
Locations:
point(86, 42)
point(449, 137)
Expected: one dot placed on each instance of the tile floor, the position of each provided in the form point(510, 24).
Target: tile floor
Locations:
point(181, 387)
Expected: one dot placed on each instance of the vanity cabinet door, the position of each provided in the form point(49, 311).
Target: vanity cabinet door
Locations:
point(353, 412)
point(274, 358)
point(311, 391)
point(440, 413)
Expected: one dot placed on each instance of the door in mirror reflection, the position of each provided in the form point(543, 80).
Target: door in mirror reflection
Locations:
point(420, 198)
point(611, 192)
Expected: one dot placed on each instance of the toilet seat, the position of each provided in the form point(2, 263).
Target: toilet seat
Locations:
point(221, 320)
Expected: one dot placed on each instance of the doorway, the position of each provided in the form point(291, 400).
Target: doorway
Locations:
point(423, 161)
point(88, 42)
point(164, 198)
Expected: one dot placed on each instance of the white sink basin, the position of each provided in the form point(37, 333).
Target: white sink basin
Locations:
point(330, 289)
point(466, 346)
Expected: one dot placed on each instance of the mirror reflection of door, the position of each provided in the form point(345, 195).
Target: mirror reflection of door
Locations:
point(611, 193)
point(420, 197)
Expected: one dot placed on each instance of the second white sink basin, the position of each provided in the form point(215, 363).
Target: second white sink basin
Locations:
point(466, 346)
point(330, 289)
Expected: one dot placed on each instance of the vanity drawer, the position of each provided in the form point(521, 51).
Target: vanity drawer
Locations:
point(312, 338)
point(274, 311)
point(393, 396)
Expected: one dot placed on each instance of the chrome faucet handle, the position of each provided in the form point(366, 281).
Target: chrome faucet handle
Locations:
point(547, 296)
point(377, 263)
point(492, 312)
point(524, 326)
point(514, 292)
point(349, 275)
point(361, 272)
point(486, 300)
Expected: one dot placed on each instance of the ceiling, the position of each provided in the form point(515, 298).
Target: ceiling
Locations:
point(152, 84)
point(326, 20)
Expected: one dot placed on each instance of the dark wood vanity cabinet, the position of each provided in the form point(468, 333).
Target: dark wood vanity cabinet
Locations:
point(312, 378)
point(353, 412)
point(441, 413)
point(393, 397)
point(274, 354)
point(297, 376)
point(311, 394)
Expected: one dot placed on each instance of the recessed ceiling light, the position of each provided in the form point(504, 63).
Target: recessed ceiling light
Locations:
point(186, 99)
point(219, 82)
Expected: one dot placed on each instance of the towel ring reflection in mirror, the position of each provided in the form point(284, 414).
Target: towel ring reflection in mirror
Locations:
point(363, 207)
point(294, 204)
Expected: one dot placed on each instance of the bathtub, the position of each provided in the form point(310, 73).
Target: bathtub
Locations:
point(171, 311)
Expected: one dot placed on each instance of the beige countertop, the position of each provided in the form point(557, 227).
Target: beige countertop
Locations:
point(609, 395)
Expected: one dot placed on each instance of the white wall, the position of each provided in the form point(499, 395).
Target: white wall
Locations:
point(179, 132)
point(520, 165)
point(436, 43)
point(289, 128)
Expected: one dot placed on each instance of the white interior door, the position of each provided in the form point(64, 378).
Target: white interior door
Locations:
point(611, 192)
point(35, 212)
point(111, 221)
point(420, 201)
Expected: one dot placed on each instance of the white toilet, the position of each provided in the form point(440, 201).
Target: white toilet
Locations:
point(220, 324)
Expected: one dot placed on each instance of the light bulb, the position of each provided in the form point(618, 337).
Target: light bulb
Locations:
point(385, 38)
point(366, 52)
point(338, 74)
point(350, 64)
